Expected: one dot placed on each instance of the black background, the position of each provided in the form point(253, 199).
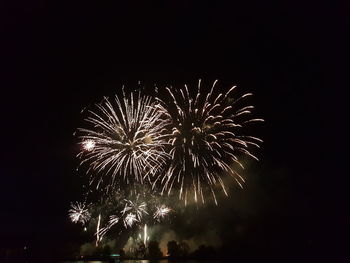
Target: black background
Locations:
point(59, 57)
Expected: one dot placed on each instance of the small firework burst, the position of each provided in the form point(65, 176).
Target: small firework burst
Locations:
point(79, 213)
point(130, 220)
point(161, 212)
point(138, 208)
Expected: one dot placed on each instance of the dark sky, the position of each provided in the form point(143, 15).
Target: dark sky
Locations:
point(58, 57)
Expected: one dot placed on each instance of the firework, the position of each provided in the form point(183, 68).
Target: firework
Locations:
point(130, 219)
point(101, 232)
point(141, 207)
point(88, 145)
point(98, 231)
point(138, 208)
point(127, 209)
point(113, 220)
point(124, 142)
point(79, 213)
point(145, 235)
point(206, 137)
point(161, 212)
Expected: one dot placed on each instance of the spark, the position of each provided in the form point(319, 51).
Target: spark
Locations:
point(206, 134)
point(88, 145)
point(79, 213)
point(124, 141)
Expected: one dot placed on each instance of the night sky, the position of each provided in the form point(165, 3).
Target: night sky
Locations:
point(58, 57)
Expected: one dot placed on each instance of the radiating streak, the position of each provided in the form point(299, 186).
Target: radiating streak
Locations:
point(98, 237)
point(145, 235)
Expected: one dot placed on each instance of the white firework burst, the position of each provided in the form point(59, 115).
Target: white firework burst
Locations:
point(124, 142)
point(79, 213)
point(207, 137)
point(161, 212)
point(137, 208)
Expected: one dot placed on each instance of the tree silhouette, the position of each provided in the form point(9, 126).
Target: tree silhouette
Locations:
point(204, 252)
point(184, 249)
point(106, 251)
point(122, 253)
point(154, 250)
point(140, 250)
point(173, 249)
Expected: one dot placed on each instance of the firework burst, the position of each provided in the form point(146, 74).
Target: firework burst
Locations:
point(206, 137)
point(130, 220)
point(138, 208)
point(124, 142)
point(79, 213)
point(161, 212)
point(142, 206)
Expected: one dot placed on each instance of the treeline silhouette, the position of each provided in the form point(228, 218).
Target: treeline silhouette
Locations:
point(181, 250)
point(175, 250)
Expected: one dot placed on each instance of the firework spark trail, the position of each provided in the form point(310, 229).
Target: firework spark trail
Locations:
point(79, 213)
point(142, 206)
point(206, 139)
point(145, 235)
point(98, 236)
point(125, 141)
point(113, 220)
